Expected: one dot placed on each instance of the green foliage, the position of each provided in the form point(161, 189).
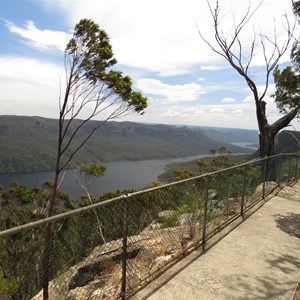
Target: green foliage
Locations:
point(296, 7)
point(169, 221)
point(220, 159)
point(91, 56)
point(287, 94)
point(7, 285)
point(183, 174)
point(20, 205)
point(91, 47)
point(93, 170)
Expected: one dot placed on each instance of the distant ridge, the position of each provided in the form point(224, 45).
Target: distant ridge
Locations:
point(29, 143)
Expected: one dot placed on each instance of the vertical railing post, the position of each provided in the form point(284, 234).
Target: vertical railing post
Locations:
point(290, 167)
point(244, 193)
point(265, 163)
point(124, 246)
point(205, 215)
point(297, 166)
point(279, 172)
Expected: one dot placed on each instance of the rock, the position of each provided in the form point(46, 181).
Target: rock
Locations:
point(98, 295)
point(289, 193)
point(86, 274)
point(269, 185)
point(160, 261)
point(78, 293)
point(151, 227)
point(187, 218)
point(166, 214)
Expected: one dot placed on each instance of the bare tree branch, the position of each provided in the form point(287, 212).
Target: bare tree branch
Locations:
point(230, 47)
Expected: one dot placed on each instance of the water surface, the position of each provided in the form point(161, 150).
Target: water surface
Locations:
point(118, 175)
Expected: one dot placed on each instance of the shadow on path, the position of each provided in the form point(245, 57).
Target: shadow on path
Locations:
point(289, 223)
point(263, 287)
point(269, 287)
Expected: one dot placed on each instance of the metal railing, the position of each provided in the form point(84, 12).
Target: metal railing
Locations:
point(110, 249)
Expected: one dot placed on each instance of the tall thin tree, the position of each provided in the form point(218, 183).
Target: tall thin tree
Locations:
point(92, 89)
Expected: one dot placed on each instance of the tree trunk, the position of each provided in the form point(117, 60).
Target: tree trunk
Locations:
point(47, 260)
point(266, 142)
point(49, 227)
point(268, 132)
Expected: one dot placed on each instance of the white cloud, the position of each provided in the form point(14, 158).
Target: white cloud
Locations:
point(228, 100)
point(29, 87)
point(159, 36)
point(238, 112)
point(200, 114)
point(248, 99)
point(151, 36)
point(217, 110)
point(196, 111)
point(156, 36)
point(162, 36)
point(170, 93)
point(171, 113)
point(211, 68)
point(43, 39)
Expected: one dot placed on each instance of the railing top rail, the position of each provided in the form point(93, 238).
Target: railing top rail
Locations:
point(126, 196)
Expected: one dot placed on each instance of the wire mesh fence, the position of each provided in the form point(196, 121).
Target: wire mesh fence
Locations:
point(109, 249)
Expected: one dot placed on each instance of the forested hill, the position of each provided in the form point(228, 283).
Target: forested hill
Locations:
point(29, 143)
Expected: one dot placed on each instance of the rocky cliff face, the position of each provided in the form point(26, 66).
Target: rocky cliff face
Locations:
point(99, 275)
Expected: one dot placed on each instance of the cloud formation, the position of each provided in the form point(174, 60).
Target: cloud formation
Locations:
point(42, 39)
point(185, 81)
point(228, 100)
point(27, 89)
point(171, 93)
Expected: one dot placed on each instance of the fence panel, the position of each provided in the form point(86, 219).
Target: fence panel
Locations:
point(107, 250)
point(162, 224)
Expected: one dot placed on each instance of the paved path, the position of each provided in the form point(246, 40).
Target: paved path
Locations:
point(259, 259)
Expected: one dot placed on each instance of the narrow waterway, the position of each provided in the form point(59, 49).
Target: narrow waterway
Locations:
point(118, 175)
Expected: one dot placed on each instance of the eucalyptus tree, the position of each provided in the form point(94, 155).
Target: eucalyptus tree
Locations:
point(92, 89)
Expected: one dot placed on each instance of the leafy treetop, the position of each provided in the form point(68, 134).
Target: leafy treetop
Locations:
point(90, 59)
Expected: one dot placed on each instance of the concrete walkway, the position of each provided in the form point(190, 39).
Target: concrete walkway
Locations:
point(259, 259)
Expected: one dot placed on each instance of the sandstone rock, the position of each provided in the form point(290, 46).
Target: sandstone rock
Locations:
point(78, 293)
point(166, 214)
point(187, 218)
point(160, 261)
point(270, 185)
point(151, 227)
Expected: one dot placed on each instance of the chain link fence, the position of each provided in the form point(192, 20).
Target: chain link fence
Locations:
point(109, 249)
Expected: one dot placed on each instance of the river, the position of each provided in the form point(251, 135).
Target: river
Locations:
point(118, 175)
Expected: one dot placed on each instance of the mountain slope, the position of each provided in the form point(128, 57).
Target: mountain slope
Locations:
point(29, 143)
point(231, 135)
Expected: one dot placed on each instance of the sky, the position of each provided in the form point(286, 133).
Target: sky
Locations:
point(155, 42)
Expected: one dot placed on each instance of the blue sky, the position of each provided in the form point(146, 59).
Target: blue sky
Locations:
point(155, 42)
